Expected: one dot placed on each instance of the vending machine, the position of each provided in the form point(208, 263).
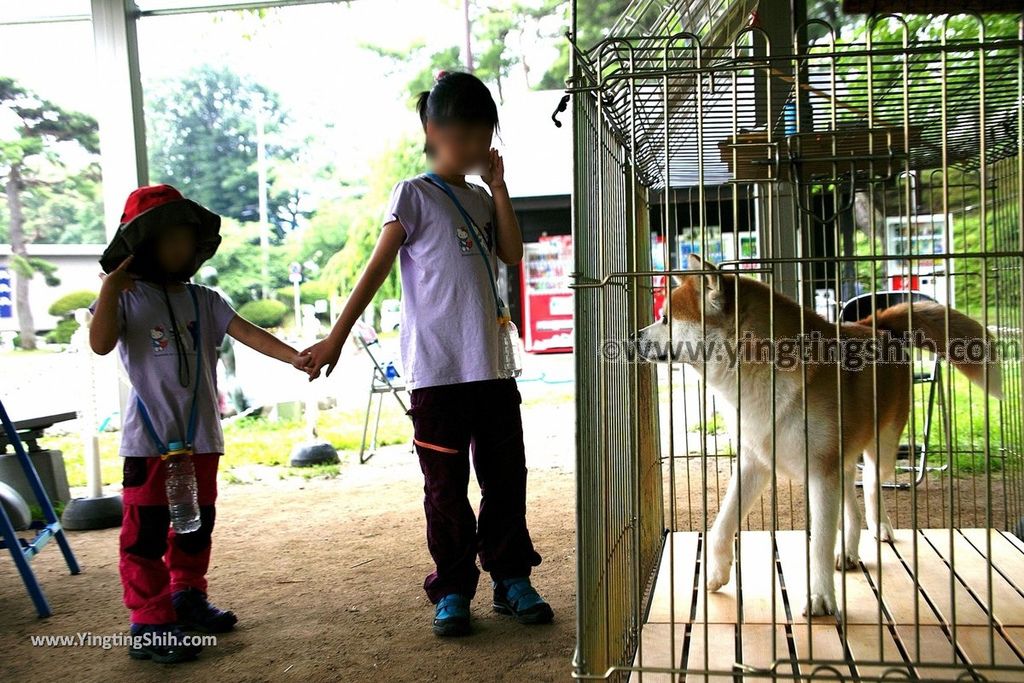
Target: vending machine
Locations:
point(547, 299)
point(923, 237)
point(739, 246)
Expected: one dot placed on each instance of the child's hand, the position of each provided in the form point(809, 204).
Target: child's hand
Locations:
point(300, 361)
point(120, 280)
point(318, 355)
point(494, 175)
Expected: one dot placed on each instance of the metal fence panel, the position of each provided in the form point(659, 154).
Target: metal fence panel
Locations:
point(852, 174)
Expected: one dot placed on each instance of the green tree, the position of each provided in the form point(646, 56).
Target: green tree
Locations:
point(68, 211)
point(593, 19)
point(363, 219)
point(238, 259)
point(498, 29)
point(39, 128)
point(203, 140)
point(64, 211)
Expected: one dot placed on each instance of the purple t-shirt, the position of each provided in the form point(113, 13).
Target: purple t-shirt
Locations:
point(449, 330)
point(148, 352)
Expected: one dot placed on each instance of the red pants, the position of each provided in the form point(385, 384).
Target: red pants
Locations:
point(154, 561)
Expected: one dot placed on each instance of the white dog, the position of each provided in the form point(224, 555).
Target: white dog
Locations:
point(737, 307)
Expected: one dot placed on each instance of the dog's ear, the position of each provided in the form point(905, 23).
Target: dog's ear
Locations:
point(712, 281)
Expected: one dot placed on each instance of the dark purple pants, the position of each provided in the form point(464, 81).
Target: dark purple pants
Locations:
point(447, 421)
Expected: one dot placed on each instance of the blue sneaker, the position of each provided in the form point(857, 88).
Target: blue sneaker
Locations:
point(518, 598)
point(451, 616)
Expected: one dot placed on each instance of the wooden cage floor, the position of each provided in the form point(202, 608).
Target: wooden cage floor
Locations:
point(910, 626)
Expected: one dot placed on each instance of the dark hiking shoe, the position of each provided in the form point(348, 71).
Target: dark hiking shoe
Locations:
point(451, 616)
point(519, 599)
point(163, 643)
point(195, 613)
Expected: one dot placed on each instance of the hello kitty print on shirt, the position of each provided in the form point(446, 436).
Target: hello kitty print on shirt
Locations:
point(466, 240)
point(162, 341)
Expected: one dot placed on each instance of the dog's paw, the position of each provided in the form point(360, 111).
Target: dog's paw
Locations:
point(847, 560)
point(820, 605)
point(883, 532)
point(718, 575)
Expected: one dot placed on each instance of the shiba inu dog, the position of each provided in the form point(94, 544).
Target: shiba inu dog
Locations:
point(737, 332)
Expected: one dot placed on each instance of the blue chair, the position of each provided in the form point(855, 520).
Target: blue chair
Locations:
point(865, 305)
point(22, 550)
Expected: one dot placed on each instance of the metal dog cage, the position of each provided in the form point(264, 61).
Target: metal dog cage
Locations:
point(828, 164)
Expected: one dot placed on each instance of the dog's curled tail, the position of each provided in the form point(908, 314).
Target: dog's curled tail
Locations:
point(969, 347)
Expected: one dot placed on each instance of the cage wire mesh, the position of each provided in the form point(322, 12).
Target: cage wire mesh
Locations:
point(851, 172)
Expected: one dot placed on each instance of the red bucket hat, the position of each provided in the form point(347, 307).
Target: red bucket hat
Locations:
point(150, 210)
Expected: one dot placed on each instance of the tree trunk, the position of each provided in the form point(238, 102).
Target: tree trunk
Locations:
point(468, 26)
point(25, 323)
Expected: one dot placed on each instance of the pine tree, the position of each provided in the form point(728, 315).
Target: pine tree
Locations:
point(40, 126)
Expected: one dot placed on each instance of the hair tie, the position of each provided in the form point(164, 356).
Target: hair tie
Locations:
point(440, 74)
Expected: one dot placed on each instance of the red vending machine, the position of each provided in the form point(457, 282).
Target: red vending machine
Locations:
point(547, 299)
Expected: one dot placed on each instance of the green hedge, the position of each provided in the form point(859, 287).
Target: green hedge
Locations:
point(62, 333)
point(64, 308)
point(69, 303)
point(309, 293)
point(265, 312)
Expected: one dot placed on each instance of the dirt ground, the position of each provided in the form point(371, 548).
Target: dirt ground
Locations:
point(326, 578)
point(326, 574)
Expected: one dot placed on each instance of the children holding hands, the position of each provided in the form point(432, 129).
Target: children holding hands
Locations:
point(449, 235)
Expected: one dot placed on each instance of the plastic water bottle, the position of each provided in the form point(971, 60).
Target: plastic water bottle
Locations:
point(789, 118)
point(390, 371)
point(182, 492)
point(511, 358)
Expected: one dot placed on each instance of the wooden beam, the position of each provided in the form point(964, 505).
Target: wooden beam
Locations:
point(894, 621)
point(672, 600)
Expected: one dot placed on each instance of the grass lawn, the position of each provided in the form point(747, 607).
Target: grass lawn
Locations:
point(252, 441)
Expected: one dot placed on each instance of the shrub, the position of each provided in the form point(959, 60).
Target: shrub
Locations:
point(69, 303)
point(265, 312)
point(62, 333)
point(309, 292)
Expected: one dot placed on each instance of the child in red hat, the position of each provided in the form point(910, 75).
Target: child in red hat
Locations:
point(167, 331)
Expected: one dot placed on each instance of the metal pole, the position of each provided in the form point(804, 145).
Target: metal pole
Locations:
point(87, 413)
point(122, 127)
point(95, 511)
point(261, 171)
point(123, 159)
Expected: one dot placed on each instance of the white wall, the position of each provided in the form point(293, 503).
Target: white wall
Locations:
point(77, 267)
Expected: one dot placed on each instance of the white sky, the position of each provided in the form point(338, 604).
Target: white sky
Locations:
point(310, 54)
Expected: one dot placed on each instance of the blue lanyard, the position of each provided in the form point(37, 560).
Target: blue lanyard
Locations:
point(190, 434)
point(474, 232)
